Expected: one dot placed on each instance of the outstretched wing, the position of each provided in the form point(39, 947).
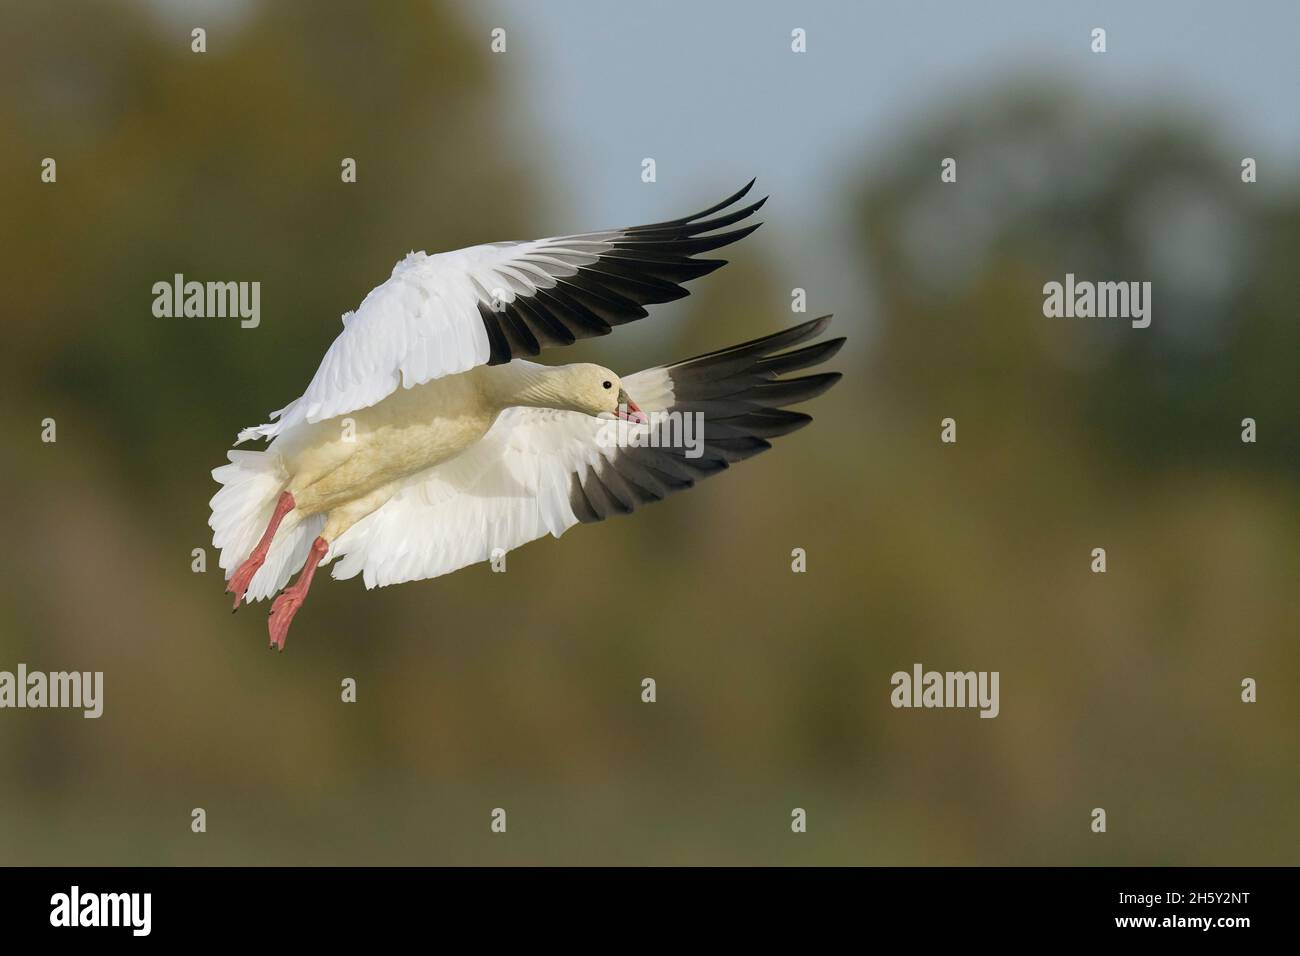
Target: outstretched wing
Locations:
point(442, 314)
point(540, 471)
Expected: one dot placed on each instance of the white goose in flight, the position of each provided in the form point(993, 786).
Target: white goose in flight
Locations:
point(424, 442)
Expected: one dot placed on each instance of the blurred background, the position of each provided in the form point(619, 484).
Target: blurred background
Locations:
point(522, 690)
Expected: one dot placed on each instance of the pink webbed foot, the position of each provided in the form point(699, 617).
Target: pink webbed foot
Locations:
point(283, 610)
point(243, 576)
point(291, 599)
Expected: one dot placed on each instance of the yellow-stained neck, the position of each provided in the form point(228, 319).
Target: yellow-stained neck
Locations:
point(528, 384)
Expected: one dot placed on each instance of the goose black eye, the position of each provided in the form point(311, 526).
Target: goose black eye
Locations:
point(609, 384)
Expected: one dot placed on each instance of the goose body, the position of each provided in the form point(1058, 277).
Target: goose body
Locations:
point(426, 440)
point(348, 457)
point(341, 459)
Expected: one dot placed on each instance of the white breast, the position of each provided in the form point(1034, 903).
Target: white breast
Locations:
point(343, 458)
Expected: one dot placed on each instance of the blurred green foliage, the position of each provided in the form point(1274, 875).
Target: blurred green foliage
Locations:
point(522, 690)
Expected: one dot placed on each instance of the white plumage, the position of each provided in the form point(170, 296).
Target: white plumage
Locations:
point(425, 441)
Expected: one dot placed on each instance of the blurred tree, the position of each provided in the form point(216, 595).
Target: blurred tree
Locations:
point(227, 165)
point(1050, 183)
point(772, 686)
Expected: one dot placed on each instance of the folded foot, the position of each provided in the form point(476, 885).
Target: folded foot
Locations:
point(243, 576)
point(291, 599)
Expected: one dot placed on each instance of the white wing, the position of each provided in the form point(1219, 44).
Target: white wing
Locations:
point(447, 313)
point(509, 488)
point(540, 471)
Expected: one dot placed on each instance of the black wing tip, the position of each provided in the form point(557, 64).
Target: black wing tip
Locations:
point(806, 356)
point(761, 347)
point(739, 194)
point(736, 234)
point(644, 265)
point(782, 392)
point(798, 333)
point(810, 328)
point(803, 421)
point(718, 207)
point(815, 327)
point(832, 348)
point(746, 421)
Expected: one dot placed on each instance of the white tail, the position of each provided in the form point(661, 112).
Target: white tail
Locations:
point(241, 510)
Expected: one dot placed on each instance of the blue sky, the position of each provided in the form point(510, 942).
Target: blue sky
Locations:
point(711, 91)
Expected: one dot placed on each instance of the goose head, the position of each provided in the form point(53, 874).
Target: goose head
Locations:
point(595, 390)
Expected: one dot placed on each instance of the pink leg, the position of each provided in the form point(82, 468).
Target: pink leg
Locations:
point(290, 600)
point(243, 575)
